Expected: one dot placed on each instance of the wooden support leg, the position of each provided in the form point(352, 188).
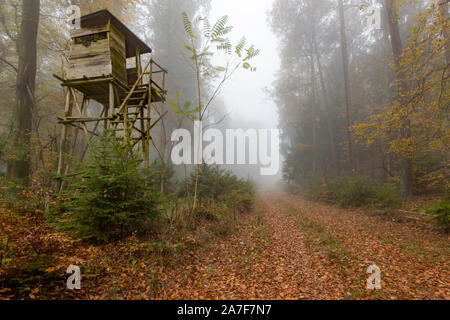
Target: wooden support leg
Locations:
point(111, 106)
point(146, 128)
point(126, 127)
point(72, 151)
point(105, 122)
point(146, 140)
point(117, 101)
point(93, 133)
point(143, 136)
point(138, 63)
point(83, 127)
point(62, 144)
point(80, 111)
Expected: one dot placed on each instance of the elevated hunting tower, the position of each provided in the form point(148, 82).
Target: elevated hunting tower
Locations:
point(98, 71)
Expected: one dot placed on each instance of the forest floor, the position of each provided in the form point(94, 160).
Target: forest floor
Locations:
point(296, 249)
point(287, 248)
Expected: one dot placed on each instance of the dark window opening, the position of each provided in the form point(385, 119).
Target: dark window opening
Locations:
point(90, 38)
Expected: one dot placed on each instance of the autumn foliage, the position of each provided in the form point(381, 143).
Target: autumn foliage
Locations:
point(422, 107)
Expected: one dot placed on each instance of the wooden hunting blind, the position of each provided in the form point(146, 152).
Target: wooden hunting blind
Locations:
point(102, 46)
point(97, 70)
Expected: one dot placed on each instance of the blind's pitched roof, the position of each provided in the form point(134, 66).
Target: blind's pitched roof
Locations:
point(101, 19)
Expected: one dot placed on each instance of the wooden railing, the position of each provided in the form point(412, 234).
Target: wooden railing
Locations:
point(138, 82)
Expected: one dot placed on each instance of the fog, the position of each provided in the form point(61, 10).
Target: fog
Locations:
point(224, 149)
point(244, 94)
point(324, 70)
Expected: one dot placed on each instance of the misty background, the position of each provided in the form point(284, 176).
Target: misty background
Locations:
point(321, 76)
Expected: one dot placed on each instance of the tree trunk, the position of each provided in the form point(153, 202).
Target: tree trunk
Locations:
point(406, 176)
point(348, 96)
point(19, 168)
point(331, 135)
point(389, 78)
point(443, 10)
point(314, 113)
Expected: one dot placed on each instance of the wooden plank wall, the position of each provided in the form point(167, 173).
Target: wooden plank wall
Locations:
point(98, 52)
point(118, 54)
point(93, 60)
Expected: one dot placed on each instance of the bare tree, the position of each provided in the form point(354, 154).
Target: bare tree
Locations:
point(19, 167)
point(348, 95)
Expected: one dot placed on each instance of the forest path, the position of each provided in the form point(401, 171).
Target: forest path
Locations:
point(296, 249)
point(414, 262)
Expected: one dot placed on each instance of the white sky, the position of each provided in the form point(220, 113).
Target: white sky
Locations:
point(243, 94)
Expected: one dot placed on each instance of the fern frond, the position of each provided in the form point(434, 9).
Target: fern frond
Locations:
point(187, 25)
point(207, 29)
point(218, 40)
point(240, 47)
point(225, 31)
point(226, 46)
point(219, 27)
